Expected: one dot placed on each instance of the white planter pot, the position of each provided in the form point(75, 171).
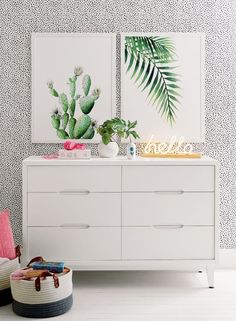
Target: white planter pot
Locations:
point(109, 150)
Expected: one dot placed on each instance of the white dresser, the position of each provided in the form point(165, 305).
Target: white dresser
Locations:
point(117, 214)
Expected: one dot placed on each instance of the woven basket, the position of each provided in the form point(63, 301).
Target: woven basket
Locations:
point(5, 270)
point(47, 301)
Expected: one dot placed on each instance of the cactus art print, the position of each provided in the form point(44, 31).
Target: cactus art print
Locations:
point(72, 119)
point(73, 85)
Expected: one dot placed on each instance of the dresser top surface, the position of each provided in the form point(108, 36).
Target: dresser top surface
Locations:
point(120, 160)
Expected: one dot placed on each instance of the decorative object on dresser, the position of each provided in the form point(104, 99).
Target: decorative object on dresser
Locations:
point(109, 150)
point(73, 150)
point(149, 214)
point(112, 128)
point(174, 148)
point(131, 150)
point(54, 55)
point(74, 154)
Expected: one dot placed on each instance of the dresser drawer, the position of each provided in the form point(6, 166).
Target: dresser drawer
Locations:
point(155, 208)
point(170, 243)
point(74, 178)
point(71, 244)
point(55, 209)
point(168, 178)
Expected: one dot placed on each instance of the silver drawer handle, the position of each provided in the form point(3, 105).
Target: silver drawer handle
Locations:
point(74, 192)
point(77, 226)
point(178, 226)
point(180, 192)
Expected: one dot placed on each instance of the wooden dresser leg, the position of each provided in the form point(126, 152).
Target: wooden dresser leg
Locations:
point(210, 276)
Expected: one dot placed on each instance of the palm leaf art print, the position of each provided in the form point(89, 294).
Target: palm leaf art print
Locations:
point(149, 61)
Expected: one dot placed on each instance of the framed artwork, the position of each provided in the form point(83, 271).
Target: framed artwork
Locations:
point(73, 85)
point(163, 83)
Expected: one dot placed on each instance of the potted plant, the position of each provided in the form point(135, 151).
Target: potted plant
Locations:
point(110, 131)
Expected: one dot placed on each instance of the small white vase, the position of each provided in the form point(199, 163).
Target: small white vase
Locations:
point(131, 151)
point(109, 150)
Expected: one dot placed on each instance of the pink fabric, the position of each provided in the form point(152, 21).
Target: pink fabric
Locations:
point(80, 146)
point(7, 245)
point(69, 145)
point(18, 275)
point(50, 156)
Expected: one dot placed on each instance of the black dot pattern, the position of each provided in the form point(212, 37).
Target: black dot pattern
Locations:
point(18, 19)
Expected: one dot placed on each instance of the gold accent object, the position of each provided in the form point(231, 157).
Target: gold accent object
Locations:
point(156, 155)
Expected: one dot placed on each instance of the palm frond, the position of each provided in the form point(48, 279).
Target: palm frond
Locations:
point(150, 61)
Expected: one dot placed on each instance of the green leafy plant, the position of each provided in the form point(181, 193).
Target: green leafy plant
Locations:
point(67, 124)
point(117, 127)
point(150, 63)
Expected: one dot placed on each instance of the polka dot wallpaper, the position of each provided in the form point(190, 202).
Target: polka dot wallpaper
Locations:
point(18, 18)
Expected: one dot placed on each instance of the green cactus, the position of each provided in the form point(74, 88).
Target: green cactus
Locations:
point(56, 119)
point(72, 107)
point(96, 93)
point(62, 134)
point(64, 102)
point(51, 89)
point(54, 92)
point(65, 119)
point(72, 84)
point(90, 132)
point(55, 122)
point(86, 104)
point(78, 71)
point(81, 126)
point(86, 84)
point(66, 125)
point(72, 122)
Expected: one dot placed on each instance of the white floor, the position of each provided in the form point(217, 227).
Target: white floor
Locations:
point(148, 296)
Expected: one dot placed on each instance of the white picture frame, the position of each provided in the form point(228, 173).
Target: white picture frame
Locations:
point(54, 56)
point(191, 121)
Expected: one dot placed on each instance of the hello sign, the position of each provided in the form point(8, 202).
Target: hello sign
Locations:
point(174, 148)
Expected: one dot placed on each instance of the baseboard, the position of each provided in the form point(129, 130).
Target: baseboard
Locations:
point(227, 259)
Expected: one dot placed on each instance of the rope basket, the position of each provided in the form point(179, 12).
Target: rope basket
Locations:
point(45, 296)
point(5, 270)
